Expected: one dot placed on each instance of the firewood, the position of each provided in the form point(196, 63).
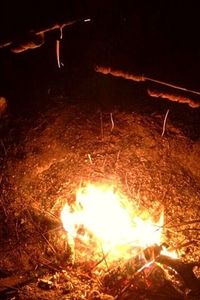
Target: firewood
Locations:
point(185, 270)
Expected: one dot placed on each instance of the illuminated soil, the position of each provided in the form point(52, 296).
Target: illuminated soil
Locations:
point(46, 157)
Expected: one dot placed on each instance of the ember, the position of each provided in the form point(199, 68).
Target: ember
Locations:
point(103, 217)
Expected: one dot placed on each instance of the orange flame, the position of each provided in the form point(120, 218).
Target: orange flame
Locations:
point(108, 219)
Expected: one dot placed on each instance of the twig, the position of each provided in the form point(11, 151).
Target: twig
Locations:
point(49, 244)
point(117, 159)
point(58, 53)
point(90, 158)
point(45, 216)
point(172, 85)
point(100, 261)
point(53, 229)
point(112, 122)
point(58, 44)
point(104, 258)
point(61, 32)
point(164, 123)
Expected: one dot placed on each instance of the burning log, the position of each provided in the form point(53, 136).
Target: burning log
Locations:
point(158, 93)
point(138, 277)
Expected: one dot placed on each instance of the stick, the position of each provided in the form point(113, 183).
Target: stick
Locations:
point(153, 92)
point(42, 31)
point(112, 122)
point(136, 77)
point(58, 53)
point(164, 123)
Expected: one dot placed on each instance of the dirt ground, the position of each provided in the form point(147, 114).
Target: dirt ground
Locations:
point(47, 156)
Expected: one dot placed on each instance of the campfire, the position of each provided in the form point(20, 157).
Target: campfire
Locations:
point(96, 231)
point(118, 242)
point(99, 151)
point(104, 219)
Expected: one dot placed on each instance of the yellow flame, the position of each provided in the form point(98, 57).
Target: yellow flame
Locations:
point(107, 218)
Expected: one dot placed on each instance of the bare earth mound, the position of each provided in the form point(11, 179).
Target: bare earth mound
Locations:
point(68, 146)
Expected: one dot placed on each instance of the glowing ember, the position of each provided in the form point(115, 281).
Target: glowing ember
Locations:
point(102, 216)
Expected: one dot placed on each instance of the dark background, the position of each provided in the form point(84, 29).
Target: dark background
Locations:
point(159, 40)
